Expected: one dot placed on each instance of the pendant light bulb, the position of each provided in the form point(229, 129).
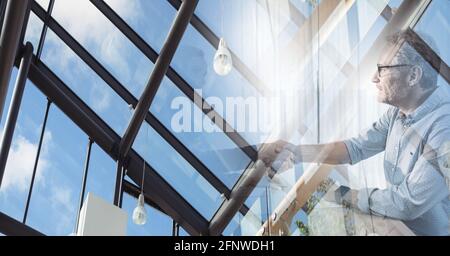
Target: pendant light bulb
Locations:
point(222, 59)
point(139, 213)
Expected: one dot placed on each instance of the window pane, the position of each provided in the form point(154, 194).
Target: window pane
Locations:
point(177, 171)
point(150, 19)
point(214, 149)
point(105, 42)
point(54, 203)
point(19, 166)
point(85, 83)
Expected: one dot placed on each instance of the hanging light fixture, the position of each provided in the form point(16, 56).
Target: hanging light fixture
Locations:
point(139, 213)
point(222, 59)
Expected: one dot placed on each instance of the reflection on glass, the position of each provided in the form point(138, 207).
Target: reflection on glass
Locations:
point(177, 171)
point(380, 195)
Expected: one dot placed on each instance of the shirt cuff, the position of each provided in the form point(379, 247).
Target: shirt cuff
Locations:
point(364, 199)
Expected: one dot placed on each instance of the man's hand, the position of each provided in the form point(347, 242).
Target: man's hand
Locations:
point(278, 153)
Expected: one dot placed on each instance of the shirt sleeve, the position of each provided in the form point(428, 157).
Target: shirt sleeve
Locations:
point(421, 189)
point(370, 141)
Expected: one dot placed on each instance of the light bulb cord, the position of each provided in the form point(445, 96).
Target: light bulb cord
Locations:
point(221, 16)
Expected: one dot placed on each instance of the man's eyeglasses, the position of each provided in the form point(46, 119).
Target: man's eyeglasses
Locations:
point(383, 68)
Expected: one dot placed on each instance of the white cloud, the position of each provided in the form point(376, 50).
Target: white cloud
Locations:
point(89, 26)
point(99, 36)
point(19, 166)
point(100, 97)
point(61, 197)
point(62, 203)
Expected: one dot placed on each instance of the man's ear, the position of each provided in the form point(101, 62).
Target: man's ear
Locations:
point(415, 75)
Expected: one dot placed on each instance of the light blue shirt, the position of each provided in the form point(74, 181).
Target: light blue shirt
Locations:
point(416, 192)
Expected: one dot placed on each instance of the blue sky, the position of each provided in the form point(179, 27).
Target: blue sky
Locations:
point(56, 192)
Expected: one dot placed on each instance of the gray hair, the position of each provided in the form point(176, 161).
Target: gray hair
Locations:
point(416, 52)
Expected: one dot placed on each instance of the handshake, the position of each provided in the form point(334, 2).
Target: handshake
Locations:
point(279, 155)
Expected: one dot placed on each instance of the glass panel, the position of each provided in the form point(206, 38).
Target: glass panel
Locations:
point(150, 19)
point(434, 28)
point(101, 179)
point(54, 203)
point(177, 171)
point(33, 33)
point(85, 83)
point(22, 154)
point(107, 44)
point(214, 148)
point(158, 224)
point(194, 62)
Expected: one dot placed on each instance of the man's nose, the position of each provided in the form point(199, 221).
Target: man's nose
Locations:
point(375, 78)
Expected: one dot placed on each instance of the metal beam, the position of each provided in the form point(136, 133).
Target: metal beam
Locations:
point(174, 77)
point(162, 64)
point(2, 13)
point(14, 107)
point(131, 100)
point(213, 39)
point(157, 188)
point(9, 41)
point(12, 227)
point(244, 187)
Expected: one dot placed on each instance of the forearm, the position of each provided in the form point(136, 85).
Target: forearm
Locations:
point(330, 153)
